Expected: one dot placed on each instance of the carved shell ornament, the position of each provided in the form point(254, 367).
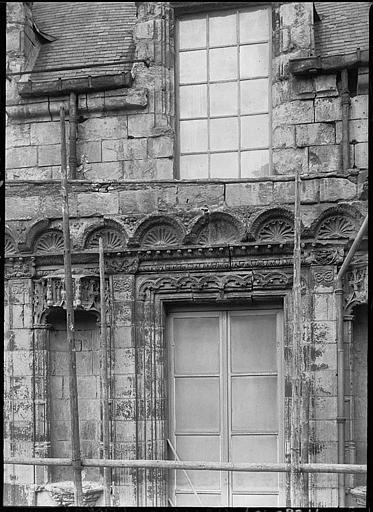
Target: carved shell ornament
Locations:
point(112, 240)
point(218, 231)
point(336, 226)
point(52, 241)
point(9, 246)
point(276, 230)
point(161, 236)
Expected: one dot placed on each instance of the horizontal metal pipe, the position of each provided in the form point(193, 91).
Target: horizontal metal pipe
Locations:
point(207, 466)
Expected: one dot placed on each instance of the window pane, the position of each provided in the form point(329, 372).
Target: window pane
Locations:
point(255, 163)
point(193, 166)
point(224, 165)
point(254, 60)
point(254, 96)
point(223, 30)
point(192, 33)
point(254, 449)
point(253, 343)
point(249, 413)
point(197, 404)
point(254, 26)
point(193, 101)
point(223, 63)
point(223, 99)
point(224, 133)
point(193, 136)
point(255, 131)
point(192, 67)
point(196, 345)
point(205, 448)
point(207, 500)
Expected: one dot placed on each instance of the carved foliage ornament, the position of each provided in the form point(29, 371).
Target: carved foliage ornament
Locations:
point(357, 287)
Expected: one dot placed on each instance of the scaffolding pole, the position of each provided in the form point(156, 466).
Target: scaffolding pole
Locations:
point(296, 479)
point(104, 378)
point(73, 392)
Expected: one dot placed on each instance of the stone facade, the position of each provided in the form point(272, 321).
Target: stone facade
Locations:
point(170, 240)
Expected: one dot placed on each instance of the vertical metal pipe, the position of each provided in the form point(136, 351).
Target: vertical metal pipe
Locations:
point(73, 390)
point(345, 95)
point(296, 484)
point(73, 121)
point(341, 420)
point(104, 378)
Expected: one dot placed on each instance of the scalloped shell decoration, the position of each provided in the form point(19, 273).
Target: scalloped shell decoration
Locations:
point(336, 226)
point(49, 242)
point(160, 236)
point(218, 232)
point(9, 247)
point(112, 239)
point(276, 230)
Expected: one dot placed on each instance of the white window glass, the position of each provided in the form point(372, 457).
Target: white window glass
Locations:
point(254, 60)
point(192, 33)
point(222, 29)
point(254, 96)
point(194, 166)
point(224, 165)
point(224, 94)
point(193, 67)
point(193, 135)
point(255, 131)
point(224, 133)
point(193, 101)
point(254, 26)
point(223, 63)
point(223, 99)
point(255, 163)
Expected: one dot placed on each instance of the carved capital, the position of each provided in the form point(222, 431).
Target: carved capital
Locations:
point(19, 267)
point(356, 287)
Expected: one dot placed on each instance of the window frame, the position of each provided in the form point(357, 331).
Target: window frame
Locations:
point(204, 13)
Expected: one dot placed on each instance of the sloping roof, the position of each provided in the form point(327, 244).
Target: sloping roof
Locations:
point(343, 27)
point(86, 33)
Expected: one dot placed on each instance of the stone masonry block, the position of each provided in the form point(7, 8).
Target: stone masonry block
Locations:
point(25, 156)
point(323, 306)
point(283, 137)
point(19, 208)
point(283, 191)
point(141, 125)
point(325, 408)
point(103, 128)
point(139, 169)
point(164, 169)
point(294, 112)
point(88, 386)
point(359, 130)
point(92, 150)
point(123, 337)
point(300, 36)
point(30, 174)
point(328, 109)
point(241, 194)
point(49, 155)
point(17, 135)
point(124, 361)
point(361, 155)
point(325, 383)
point(147, 200)
point(125, 386)
point(324, 158)
point(161, 147)
point(104, 171)
point(97, 203)
point(326, 85)
point(43, 134)
point(124, 149)
point(336, 189)
point(359, 107)
point(287, 161)
point(315, 134)
point(196, 196)
point(144, 30)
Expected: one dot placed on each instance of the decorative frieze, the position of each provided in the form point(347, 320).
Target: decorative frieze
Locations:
point(19, 267)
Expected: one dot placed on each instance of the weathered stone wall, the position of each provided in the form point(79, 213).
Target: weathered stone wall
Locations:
point(126, 153)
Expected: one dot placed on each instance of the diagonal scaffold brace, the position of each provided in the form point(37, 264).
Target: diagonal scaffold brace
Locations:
point(73, 390)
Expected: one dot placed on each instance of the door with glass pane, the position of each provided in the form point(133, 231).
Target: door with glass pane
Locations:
point(225, 404)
